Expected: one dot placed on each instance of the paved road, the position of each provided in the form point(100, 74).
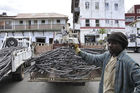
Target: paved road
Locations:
point(135, 56)
point(8, 86)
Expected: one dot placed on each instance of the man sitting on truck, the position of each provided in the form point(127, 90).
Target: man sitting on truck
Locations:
point(120, 73)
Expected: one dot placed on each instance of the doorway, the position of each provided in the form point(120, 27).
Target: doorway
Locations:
point(50, 40)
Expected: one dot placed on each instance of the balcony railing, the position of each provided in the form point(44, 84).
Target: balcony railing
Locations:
point(33, 27)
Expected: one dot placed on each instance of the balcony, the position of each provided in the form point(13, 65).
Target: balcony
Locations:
point(32, 27)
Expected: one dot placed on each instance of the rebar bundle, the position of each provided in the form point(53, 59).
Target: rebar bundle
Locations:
point(6, 60)
point(63, 63)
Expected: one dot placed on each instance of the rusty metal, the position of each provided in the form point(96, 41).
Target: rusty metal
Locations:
point(63, 63)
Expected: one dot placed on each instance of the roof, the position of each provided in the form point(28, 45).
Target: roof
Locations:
point(6, 17)
point(40, 15)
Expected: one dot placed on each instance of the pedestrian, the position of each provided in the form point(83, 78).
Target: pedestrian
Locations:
point(120, 73)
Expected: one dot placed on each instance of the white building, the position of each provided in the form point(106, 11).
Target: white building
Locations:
point(42, 27)
point(133, 28)
point(92, 15)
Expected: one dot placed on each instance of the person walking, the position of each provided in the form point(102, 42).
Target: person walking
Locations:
point(120, 73)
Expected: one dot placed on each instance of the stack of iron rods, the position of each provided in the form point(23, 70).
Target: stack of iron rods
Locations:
point(6, 60)
point(64, 63)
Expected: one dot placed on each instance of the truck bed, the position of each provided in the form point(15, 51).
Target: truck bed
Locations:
point(38, 77)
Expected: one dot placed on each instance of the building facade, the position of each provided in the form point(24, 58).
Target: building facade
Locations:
point(93, 16)
point(42, 27)
point(132, 18)
point(132, 14)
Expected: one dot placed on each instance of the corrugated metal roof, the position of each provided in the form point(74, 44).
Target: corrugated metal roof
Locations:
point(40, 15)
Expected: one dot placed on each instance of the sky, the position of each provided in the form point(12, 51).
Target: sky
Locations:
point(13, 7)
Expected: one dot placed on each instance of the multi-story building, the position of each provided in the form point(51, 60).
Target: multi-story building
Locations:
point(91, 16)
point(42, 27)
point(132, 22)
point(132, 15)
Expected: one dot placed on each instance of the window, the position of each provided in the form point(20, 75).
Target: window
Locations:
point(35, 21)
point(58, 21)
point(50, 40)
point(138, 11)
point(76, 4)
point(20, 22)
point(116, 22)
point(49, 21)
point(116, 6)
point(29, 22)
point(138, 17)
point(107, 6)
point(43, 21)
point(7, 22)
point(87, 22)
point(90, 38)
point(107, 21)
point(96, 5)
point(86, 5)
point(129, 19)
point(42, 40)
point(97, 22)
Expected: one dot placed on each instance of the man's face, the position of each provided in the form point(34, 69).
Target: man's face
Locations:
point(114, 47)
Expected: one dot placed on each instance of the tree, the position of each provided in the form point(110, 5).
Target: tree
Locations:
point(102, 31)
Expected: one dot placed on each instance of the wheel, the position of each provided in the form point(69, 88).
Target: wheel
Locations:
point(19, 74)
point(138, 50)
point(11, 42)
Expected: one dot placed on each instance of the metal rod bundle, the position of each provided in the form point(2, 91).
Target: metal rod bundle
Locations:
point(6, 60)
point(63, 63)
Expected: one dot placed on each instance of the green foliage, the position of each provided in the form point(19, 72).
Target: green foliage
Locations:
point(102, 31)
point(100, 41)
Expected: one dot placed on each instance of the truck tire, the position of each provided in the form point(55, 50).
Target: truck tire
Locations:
point(19, 74)
point(11, 42)
point(135, 51)
point(138, 50)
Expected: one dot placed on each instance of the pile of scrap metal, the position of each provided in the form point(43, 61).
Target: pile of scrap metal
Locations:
point(63, 63)
point(6, 60)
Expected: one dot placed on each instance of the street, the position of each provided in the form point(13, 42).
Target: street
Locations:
point(135, 56)
point(9, 86)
